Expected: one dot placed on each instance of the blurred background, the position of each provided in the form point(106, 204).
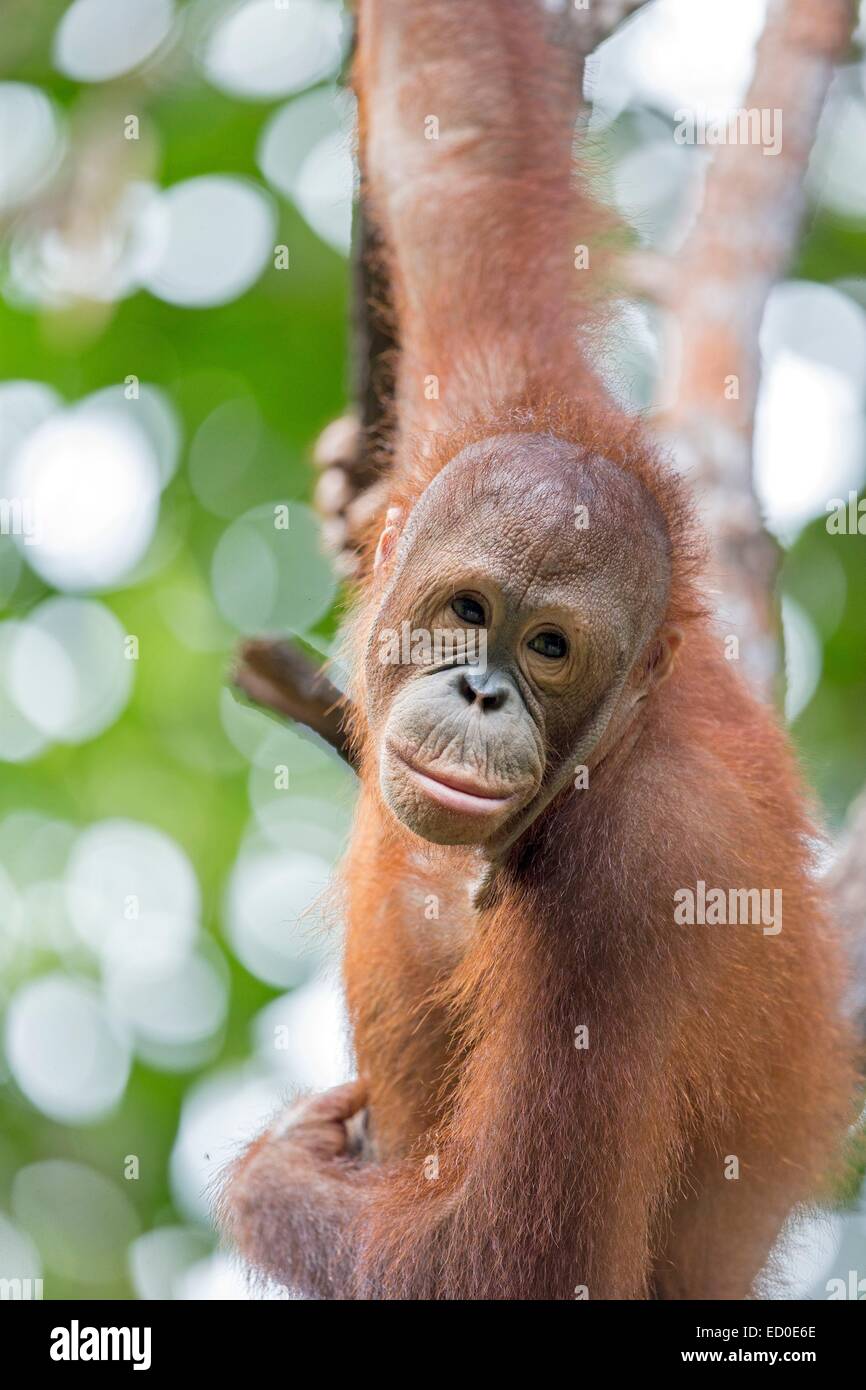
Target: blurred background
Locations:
point(175, 202)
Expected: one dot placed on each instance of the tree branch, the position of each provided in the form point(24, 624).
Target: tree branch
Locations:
point(847, 884)
point(741, 243)
point(738, 248)
point(279, 676)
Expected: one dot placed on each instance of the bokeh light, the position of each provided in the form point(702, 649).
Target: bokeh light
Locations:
point(837, 169)
point(222, 453)
point(57, 264)
point(19, 738)
point(90, 480)
point(221, 1278)
point(803, 656)
point(159, 1260)
point(66, 671)
point(63, 1050)
point(132, 893)
point(206, 240)
point(269, 573)
point(305, 151)
point(274, 911)
point(260, 49)
point(676, 54)
point(81, 1221)
point(99, 39)
point(31, 141)
point(19, 1256)
point(173, 1006)
point(810, 441)
point(219, 1115)
point(303, 1035)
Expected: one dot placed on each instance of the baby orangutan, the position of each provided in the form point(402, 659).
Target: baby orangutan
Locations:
point(567, 1093)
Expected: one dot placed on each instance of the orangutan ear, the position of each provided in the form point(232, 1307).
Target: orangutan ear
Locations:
point(663, 653)
point(389, 538)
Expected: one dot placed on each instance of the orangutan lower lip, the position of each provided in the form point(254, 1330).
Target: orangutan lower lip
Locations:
point(456, 792)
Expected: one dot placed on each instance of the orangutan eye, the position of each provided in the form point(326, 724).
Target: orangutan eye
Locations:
point(550, 644)
point(468, 609)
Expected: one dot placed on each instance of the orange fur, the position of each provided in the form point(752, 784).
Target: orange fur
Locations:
point(575, 1168)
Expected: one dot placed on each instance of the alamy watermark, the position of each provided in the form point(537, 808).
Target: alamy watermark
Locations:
point(753, 907)
point(18, 517)
point(853, 1288)
point(760, 126)
point(422, 646)
point(20, 1290)
point(847, 518)
point(77, 1343)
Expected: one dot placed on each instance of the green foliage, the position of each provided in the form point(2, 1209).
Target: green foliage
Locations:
point(167, 761)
